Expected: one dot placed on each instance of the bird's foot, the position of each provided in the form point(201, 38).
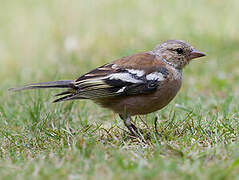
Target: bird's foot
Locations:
point(141, 134)
point(136, 132)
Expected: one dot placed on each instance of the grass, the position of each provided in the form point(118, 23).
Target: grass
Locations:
point(51, 40)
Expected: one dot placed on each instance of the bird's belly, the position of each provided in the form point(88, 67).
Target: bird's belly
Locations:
point(144, 104)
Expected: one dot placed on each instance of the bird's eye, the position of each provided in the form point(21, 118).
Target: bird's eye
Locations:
point(179, 50)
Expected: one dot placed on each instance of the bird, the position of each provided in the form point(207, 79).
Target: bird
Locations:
point(137, 84)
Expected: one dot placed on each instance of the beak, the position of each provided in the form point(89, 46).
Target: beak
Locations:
point(196, 54)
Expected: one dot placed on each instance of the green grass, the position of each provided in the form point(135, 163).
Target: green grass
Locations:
point(51, 40)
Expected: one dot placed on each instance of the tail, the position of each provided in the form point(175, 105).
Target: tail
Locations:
point(50, 84)
point(69, 93)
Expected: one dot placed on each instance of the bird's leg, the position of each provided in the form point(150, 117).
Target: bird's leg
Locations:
point(155, 126)
point(131, 127)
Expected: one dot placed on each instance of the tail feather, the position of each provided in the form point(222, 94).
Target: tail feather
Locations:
point(69, 97)
point(73, 92)
point(50, 84)
point(64, 93)
point(70, 94)
point(61, 99)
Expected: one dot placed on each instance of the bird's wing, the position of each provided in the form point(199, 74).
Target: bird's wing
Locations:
point(117, 79)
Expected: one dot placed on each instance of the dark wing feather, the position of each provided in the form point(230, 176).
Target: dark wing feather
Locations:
point(143, 88)
point(106, 86)
point(115, 79)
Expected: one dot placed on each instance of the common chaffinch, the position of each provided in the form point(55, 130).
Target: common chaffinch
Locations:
point(133, 85)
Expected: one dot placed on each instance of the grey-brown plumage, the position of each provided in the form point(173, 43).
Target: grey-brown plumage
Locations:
point(138, 84)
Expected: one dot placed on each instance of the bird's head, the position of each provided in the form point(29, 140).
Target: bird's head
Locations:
point(177, 52)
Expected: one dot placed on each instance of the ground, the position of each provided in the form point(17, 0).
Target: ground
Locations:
point(51, 40)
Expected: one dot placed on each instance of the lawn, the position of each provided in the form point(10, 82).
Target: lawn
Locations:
point(58, 39)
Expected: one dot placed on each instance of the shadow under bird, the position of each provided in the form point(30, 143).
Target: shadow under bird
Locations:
point(133, 85)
